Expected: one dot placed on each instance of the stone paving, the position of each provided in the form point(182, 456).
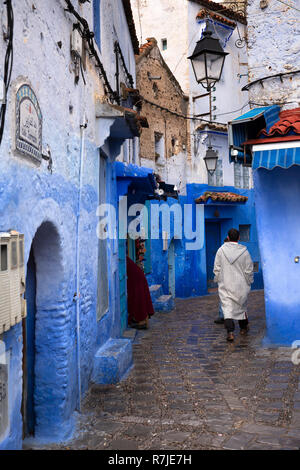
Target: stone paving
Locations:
point(190, 389)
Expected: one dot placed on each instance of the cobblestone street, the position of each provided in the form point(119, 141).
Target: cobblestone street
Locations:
point(190, 389)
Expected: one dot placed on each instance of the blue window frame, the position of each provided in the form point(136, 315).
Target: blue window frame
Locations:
point(97, 21)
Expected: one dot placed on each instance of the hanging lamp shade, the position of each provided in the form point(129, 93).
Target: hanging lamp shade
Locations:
point(208, 60)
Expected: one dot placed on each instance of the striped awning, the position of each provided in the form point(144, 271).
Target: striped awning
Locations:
point(270, 156)
point(246, 127)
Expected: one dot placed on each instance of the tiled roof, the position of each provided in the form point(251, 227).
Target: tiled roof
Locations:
point(208, 14)
point(148, 46)
point(289, 122)
point(215, 126)
point(221, 196)
point(213, 6)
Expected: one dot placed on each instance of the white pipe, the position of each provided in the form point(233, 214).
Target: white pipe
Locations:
point(82, 137)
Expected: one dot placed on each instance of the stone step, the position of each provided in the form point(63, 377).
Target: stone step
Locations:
point(165, 303)
point(155, 292)
point(112, 361)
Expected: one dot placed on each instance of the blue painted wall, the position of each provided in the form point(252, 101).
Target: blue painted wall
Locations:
point(277, 195)
point(190, 266)
point(44, 207)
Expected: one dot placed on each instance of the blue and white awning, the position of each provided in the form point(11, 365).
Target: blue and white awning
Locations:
point(269, 156)
point(247, 127)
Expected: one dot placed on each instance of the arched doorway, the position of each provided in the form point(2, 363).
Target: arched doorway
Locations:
point(44, 353)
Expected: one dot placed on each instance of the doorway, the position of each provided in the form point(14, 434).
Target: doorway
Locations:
point(171, 269)
point(213, 243)
point(47, 347)
point(29, 349)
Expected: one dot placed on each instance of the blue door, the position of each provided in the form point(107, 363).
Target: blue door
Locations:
point(29, 348)
point(171, 269)
point(213, 243)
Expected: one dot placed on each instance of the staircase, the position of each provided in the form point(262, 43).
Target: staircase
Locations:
point(161, 302)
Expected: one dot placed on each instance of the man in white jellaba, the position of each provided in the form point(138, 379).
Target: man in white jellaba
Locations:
point(233, 272)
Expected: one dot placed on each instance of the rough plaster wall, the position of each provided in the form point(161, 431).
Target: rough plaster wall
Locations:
point(30, 195)
point(165, 19)
point(229, 100)
point(273, 47)
point(166, 93)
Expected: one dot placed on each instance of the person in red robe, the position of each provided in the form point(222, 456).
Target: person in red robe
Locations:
point(140, 306)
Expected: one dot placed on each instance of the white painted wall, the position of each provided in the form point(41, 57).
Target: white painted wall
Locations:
point(165, 19)
point(176, 21)
point(273, 47)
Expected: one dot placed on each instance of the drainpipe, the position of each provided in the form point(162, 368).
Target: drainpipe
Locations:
point(77, 293)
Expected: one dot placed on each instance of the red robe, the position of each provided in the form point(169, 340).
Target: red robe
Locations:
point(139, 300)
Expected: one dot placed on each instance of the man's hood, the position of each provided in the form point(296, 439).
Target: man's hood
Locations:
point(233, 251)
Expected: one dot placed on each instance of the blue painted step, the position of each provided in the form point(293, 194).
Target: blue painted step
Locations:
point(112, 361)
point(165, 303)
point(155, 292)
point(161, 302)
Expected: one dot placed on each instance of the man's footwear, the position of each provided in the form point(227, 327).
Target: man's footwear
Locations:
point(230, 337)
point(219, 321)
point(244, 331)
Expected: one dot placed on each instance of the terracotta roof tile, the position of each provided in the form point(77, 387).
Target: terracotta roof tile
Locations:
point(221, 196)
point(144, 48)
point(228, 12)
point(289, 121)
point(216, 126)
point(208, 14)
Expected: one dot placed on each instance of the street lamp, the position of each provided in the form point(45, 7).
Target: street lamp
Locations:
point(208, 60)
point(211, 159)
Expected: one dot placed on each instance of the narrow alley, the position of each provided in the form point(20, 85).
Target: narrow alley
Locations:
point(190, 389)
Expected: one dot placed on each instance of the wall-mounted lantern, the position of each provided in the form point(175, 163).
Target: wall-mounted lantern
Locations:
point(211, 159)
point(208, 60)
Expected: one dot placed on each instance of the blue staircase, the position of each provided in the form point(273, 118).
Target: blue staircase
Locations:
point(161, 302)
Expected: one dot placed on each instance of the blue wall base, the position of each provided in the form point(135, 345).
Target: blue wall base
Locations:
point(112, 361)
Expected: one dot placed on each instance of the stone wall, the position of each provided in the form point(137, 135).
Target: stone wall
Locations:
point(164, 92)
point(273, 47)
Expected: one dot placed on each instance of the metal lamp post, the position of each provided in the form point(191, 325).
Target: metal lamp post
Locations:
point(208, 60)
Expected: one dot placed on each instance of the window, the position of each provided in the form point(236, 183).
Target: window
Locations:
point(164, 44)
point(3, 259)
point(97, 22)
point(244, 233)
point(241, 176)
point(14, 255)
point(216, 179)
point(159, 148)
point(21, 253)
point(102, 296)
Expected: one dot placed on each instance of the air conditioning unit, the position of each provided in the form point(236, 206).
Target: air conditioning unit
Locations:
point(12, 280)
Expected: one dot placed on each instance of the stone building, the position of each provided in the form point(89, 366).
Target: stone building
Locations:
point(65, 123)
point(268, 137)
point(164, 145)
point(177, 37)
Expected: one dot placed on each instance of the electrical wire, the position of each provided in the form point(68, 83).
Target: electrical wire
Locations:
point(88, 35)
point(287, 4)
point(8, 63)
point(192, 118)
